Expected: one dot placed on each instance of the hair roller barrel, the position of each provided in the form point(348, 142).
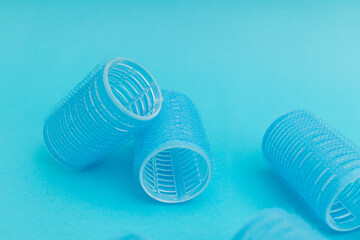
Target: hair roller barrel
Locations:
point(103, 112)
point(319, 164)
point(172, 156)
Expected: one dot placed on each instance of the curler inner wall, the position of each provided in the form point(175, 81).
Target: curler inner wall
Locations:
point(175, 174)
point(132, 89)
point(345, 209)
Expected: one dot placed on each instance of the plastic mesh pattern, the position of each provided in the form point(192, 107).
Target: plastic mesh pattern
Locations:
point(276, 224)
point(172, 156)
point(320, 164)
point(104, 111)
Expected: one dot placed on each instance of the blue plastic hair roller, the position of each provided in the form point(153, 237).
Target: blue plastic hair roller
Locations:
point(103, 112)
point(319, 164)
point(172, 156)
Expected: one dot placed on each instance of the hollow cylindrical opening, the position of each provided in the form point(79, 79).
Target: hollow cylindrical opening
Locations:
point(175, 174)
point(132, 88)
point(344, 212)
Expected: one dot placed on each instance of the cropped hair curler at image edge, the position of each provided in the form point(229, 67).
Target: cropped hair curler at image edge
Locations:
point(102, 112)
point(132, 237)
point(172, 156)
point(319, 164)
point(276, 224)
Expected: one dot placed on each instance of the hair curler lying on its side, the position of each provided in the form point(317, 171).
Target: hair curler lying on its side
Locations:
point(320, 164)
point(103, 112)
point(172, 156)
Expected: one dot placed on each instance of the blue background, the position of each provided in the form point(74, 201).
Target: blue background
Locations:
point(242, 62)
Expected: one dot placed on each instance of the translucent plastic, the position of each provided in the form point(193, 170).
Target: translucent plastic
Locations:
point(320, 164)
point(172, 156)
point(277, 224)
point(103, 112)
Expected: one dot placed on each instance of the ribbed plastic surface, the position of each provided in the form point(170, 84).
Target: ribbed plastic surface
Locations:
point(172, 157)
point(104, 111)
point(321, 165)
point(277, 224)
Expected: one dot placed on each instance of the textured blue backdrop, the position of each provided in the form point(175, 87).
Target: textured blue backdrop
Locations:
point(243, 64)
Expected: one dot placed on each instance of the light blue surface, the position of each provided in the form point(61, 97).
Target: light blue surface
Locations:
point(243, 64)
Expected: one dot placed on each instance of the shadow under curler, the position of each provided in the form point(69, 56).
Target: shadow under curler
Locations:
point(254, 179)
point(258, 181)
point(110, 184)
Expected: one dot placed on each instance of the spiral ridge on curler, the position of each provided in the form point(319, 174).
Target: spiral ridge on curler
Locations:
point(172, 156)
point(319, 164)
point(102, 112)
